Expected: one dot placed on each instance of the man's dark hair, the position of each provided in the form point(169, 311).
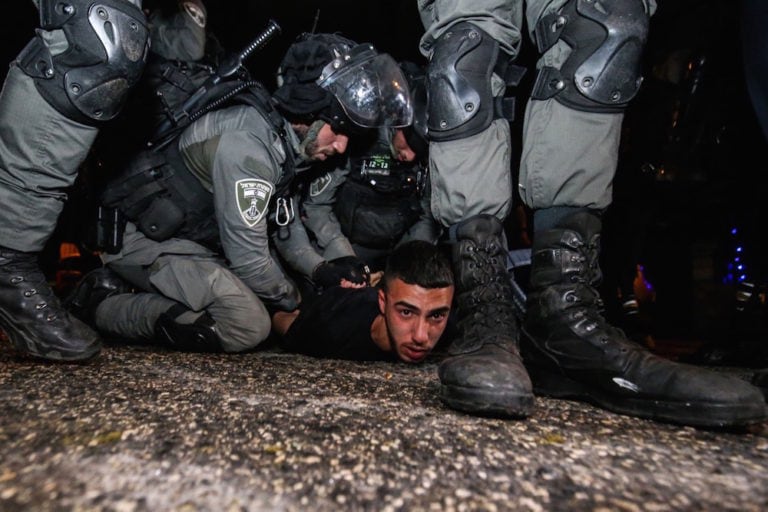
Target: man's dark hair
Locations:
point(420, 263)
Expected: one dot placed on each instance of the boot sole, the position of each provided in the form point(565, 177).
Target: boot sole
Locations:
point(554, 385)
point(485, 403)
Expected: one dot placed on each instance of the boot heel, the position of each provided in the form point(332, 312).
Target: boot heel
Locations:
point(555, 384)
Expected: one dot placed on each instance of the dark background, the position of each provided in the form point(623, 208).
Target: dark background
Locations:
point(693, 159)
point(393, 26)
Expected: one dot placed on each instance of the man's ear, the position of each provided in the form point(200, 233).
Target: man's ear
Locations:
point(382, 301)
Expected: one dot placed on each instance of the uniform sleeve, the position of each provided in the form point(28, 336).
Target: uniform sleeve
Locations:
point(181, 35)
point(320, 219)
point(426, 227)
point(295, 247)
point(245, 172)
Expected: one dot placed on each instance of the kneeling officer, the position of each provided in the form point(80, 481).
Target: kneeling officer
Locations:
point(198, 241)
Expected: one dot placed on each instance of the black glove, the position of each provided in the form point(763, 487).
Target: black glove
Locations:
point(330, 273)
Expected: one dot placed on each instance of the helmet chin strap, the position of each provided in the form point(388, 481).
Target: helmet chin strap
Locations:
point(310, 137)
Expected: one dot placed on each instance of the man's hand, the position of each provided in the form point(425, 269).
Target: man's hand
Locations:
point(335, 272)
point(349, 284)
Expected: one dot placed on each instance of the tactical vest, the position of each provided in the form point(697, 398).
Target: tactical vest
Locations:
point(380, 200)
point(164, 199)
point(166, 85)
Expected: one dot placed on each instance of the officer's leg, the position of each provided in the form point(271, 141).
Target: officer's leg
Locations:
point(192, 302)
point(55, 93)
point(197, 305)
point(589, 73)
point(471, 194)
point(152, 318)
point(239, 318)
point(127, 315)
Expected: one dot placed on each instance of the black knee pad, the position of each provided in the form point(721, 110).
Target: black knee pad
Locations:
point(602, 73)
point(459, 82)
point(90, 80)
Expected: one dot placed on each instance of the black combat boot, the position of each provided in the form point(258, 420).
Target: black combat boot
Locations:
point(483, 373)
point(33, 316)
point(571, 352)
point(91, 291)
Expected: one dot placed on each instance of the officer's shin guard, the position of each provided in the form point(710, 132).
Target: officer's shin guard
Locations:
point(571, 352)
point(483, 373)
point(33, 317)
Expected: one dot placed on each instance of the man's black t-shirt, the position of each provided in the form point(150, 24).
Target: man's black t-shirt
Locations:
point(337, 325)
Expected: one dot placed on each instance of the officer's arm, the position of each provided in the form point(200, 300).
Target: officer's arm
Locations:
point(244, 176)
point(180, 36)
point(295, 247)
point(426, 227)
point(320, 219)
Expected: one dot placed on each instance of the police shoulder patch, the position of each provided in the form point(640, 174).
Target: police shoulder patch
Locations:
point(252, 197)
point(319, 184)
point(196, 13)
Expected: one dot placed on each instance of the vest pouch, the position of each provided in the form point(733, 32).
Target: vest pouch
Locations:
point(372, 219)
point(161, 219)
point(137, 185)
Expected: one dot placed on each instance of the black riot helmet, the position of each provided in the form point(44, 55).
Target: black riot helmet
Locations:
point(329, 77)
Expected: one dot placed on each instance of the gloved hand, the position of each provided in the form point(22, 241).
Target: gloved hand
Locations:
point(330, 273)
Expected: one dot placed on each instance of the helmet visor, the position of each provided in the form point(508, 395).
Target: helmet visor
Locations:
point(371, 89)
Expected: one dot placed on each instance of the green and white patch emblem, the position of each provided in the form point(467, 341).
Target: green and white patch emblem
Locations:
point(319, 184)
point(253, 199)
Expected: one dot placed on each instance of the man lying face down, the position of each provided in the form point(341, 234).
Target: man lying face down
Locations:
point(400, 319)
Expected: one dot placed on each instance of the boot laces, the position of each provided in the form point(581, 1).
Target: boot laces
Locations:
point(27, 275)
point(588, 300)
point(486, 309)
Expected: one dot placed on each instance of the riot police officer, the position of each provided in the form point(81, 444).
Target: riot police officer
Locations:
point(587, 73)
point(374, 199)
point(71, 77)
point(197, 244)
point(382, 200)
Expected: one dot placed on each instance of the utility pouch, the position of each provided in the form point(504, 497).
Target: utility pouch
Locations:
point(161, 219)
point(142, 195)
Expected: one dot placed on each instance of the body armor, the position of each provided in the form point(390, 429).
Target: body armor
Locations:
point(380, 199)
point(159, 194)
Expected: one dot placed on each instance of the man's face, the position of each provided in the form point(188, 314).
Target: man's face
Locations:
point(416, 317)
point(327, 144)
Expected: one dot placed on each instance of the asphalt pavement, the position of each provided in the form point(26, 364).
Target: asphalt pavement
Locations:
point(141, 429)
